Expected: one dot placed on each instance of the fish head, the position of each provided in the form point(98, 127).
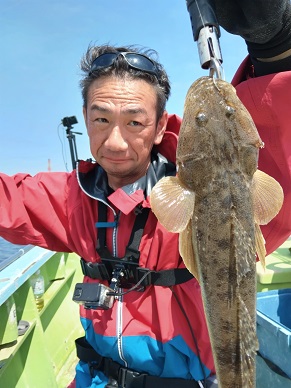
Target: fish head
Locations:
point(217, 134)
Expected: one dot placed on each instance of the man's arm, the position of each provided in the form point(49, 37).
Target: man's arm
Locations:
point(33, 210)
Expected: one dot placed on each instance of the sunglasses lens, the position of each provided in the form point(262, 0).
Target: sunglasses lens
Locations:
point(140, 62)
point(134, 60)
point(103, 61)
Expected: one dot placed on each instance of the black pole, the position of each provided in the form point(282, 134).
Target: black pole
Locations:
point(72, 144)
point(205, 30)
point(67, 122)
point(201, 15)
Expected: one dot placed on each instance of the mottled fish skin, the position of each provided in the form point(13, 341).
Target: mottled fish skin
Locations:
point(217, 156)
point(216, 203)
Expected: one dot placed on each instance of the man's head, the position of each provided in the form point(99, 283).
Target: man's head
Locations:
point(124, 94)
point(125, 62)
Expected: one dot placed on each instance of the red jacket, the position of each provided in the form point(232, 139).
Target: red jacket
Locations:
point(145, 331)
point(268, 101)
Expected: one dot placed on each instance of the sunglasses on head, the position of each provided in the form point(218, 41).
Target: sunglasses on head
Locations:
point(134, 60)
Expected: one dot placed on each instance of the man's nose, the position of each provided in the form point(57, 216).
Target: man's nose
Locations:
point(116, 140)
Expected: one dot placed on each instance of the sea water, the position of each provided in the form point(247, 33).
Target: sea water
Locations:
point(7, 249)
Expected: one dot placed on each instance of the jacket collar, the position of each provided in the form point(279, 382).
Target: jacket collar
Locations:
point(93, 181)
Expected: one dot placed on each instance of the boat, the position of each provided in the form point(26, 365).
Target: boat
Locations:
point(37, 348)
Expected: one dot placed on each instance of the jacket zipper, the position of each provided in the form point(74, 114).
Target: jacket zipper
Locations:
point(119, 321)
point(119, 327)
point(114, 235)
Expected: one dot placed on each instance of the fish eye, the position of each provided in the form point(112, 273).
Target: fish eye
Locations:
point(201, 118)
point(230, 110)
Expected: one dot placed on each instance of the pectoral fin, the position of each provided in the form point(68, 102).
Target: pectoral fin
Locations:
point(172, 204)
point(260, 245)
point(186, 250)
point(268, 197)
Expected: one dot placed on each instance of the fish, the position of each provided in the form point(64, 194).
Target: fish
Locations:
point(217, 202)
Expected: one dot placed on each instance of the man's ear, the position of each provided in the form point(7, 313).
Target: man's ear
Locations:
point(161, 127)
point(85, 115)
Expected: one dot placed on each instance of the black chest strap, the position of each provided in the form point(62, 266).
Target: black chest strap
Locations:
point(130, 261)
point(131, 253)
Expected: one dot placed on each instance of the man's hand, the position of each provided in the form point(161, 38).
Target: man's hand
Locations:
point(264, 24)
point(256, 21)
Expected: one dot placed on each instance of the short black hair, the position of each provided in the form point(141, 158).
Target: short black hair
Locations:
point(120, 68)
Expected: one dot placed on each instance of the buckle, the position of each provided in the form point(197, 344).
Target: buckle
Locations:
point(126, 377)
point(94, 270)
point(83, 267)
point(122, 377)
point(147, 279)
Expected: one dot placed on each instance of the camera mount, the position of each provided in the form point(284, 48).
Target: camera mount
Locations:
point(68, 122)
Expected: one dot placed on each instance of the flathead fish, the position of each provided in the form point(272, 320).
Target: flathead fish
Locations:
point(216, 203)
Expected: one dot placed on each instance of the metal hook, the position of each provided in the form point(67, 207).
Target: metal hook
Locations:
point(215, 68)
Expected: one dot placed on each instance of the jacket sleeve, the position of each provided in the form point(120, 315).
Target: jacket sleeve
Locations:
point(33, 209)
point(267, 98)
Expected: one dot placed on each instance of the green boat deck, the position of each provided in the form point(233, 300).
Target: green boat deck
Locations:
point(45, 355)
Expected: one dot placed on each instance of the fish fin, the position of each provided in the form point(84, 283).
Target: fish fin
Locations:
point(268, 197)
point(186, 250)
point(260, 245)
point(244, 252)
point(248, 344)
point(172, 203)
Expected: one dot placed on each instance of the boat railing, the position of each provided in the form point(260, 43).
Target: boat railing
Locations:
point(37, 347)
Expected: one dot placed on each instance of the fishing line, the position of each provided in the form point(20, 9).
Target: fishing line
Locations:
point(215, 84)
point(132, 288)
point(200, 14)
point(216, 63)
point(192, 334)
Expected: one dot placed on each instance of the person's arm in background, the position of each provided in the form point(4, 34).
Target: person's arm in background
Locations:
point(263, 84)
point(265, 25)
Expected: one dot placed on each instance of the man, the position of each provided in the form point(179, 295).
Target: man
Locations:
point(101, 212)
point(153, 333)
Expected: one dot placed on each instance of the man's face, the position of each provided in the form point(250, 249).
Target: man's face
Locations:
point(122, 127)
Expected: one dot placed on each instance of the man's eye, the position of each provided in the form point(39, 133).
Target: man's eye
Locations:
point(134, 123)
point(101, 120)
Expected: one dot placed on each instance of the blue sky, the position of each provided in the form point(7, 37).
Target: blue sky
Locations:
point(41, 45)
